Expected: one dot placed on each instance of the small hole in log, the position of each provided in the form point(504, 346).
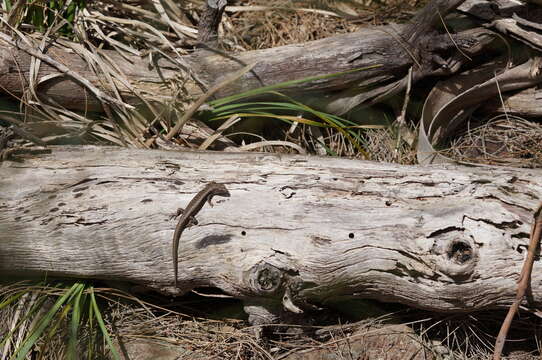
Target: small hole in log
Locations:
point(460, 252)
point(269, 279)
point(351, 235)
point(244, 233)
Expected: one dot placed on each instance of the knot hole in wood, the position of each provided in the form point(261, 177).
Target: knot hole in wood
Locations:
point(460, 252)
point(457, 253)
point(265, 279)
point(278, 285)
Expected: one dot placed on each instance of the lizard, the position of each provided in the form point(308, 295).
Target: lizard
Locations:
point(188, 215)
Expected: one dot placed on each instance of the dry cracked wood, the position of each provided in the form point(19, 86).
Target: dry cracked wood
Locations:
point(297, 230)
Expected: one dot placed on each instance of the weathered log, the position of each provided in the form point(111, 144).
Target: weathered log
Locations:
point(392, 49)
point(368, 57)
point(297, 230)
point(527, 103)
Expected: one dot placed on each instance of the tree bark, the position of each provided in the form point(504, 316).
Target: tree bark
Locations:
point(210, 20)
point(296, 230)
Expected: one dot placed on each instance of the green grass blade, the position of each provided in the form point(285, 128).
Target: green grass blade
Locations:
point(288, 118)
point(10, 300)
point(92, 333)
point(8, 5)
point(36, 333)
point(337, 125)
point(101, 324)
point(231, 109)
point(298, 106)
point(74, 325)
point(252, 105)
point(57, 321)
point(349, 129)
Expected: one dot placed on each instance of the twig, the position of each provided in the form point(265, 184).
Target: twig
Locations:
point(524, 282)
point(404, 132)
point(452, 38)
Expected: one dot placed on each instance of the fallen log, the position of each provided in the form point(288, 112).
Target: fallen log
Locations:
point(296, 230)
point(374, 58)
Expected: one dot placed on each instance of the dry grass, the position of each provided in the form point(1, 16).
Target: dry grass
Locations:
point(152, 329)
point(259, 24)
point(281, 24)
point(385, 145)
point(503, 140)
point(145, 330)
